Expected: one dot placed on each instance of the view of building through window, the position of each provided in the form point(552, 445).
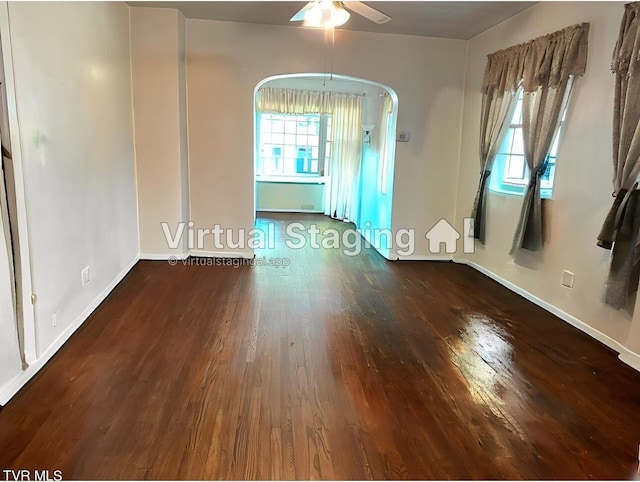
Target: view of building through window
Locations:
point(293, 145)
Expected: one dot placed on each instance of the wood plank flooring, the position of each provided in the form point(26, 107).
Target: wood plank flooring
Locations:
point(334, 367)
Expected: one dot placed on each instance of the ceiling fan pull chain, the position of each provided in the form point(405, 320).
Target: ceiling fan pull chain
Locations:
point(326, 55)
point(333, 43)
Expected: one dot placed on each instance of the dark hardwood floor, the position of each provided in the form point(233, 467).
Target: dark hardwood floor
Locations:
point(334, 367)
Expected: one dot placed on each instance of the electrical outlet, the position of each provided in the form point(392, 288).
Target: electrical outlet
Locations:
point(567, 279)
point(85, 276)
point(54, 321)
point(403, 136)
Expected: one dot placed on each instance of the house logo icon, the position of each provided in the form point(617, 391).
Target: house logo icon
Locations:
point(444, 233)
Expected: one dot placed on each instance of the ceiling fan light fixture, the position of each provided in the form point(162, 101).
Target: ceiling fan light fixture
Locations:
point(326, 14)
point(340, 14)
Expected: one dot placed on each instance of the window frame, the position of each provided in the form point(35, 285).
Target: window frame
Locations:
point(323, 149)
point(499, 182)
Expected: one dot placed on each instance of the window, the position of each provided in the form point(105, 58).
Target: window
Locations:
point(293, 145)
point(510, 173)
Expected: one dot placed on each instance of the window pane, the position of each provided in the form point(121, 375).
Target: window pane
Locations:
point(518, 142)
point(277, 126)
point(289, 144)
point(517, 115)
point(290, 127)
point(505, 148)
point(290, 152)
point(515, 170)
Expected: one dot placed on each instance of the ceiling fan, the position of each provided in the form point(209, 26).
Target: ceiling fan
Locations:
point(324, 13)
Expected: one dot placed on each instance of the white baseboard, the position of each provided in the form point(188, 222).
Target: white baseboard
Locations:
point(306, 211)
point(420, 257)
point(630, 358)
point(197, 253)
point(390, 255)
point(222, 254)
point(162, 257)
point(15, 384)
point(626, 355)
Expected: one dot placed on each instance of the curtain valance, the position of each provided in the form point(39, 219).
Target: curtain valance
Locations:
point(296, 101)
point(628, 44)
point(548, 60)
point(504, 70)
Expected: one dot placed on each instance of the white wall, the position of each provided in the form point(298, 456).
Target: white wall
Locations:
point(159, 103)
point(289, 196)
point(225, 61)
point(582, 191)
point(71, 69)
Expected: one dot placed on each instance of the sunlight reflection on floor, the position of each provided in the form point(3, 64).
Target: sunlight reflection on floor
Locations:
point(483, 354)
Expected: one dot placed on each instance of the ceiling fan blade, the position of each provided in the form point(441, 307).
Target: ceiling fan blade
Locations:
point(300, 16)
point(367, 12)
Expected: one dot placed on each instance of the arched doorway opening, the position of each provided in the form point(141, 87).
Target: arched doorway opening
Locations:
point(298, 151)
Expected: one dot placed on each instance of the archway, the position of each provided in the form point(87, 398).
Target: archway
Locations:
point(288, 161)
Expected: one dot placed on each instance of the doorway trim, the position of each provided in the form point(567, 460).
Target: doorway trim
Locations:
point(31, 348)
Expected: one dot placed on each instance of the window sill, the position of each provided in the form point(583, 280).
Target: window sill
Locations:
point(292, 179)
point(544, 193)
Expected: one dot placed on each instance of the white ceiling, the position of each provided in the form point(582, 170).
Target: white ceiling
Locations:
point(458, 20)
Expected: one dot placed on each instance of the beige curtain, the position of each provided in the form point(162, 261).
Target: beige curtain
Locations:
point(550, 63)
point(544, 68)
point(293, 101)
point(343, 171)
point(501, 80)
point(620, 230)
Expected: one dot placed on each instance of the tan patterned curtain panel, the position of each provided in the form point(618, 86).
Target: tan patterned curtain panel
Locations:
point(543, 68)
point(620, 230)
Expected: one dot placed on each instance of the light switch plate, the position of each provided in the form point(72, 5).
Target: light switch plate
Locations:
point(567, 279)
point(85, 276)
